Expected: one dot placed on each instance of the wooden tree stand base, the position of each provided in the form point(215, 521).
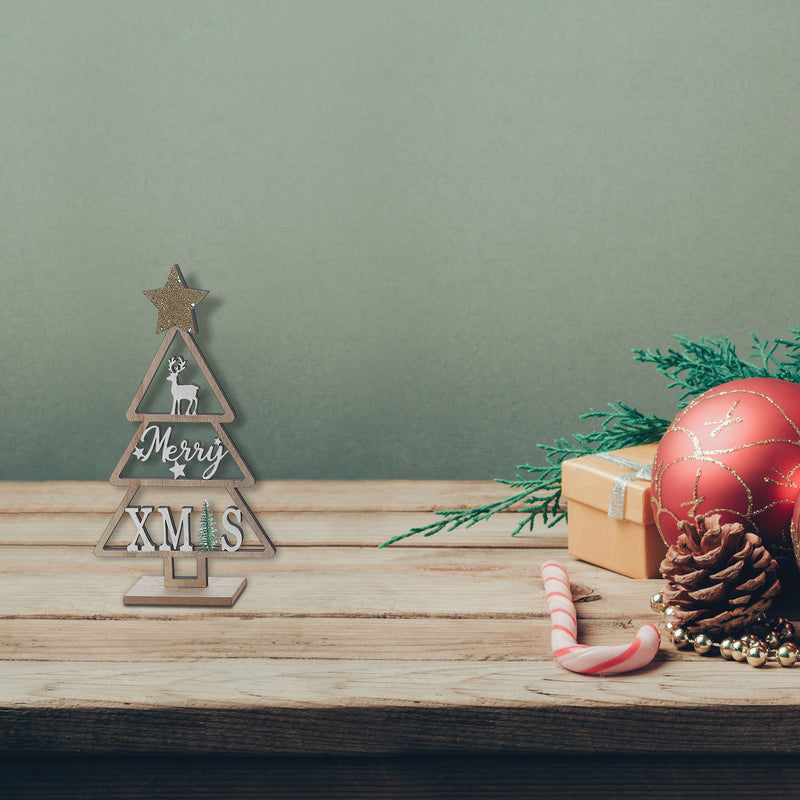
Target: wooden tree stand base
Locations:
point(149, 590)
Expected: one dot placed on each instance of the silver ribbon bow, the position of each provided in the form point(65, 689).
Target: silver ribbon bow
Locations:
point(616, 502)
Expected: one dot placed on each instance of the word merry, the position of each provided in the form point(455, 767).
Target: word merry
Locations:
point(179, 454)
point(171, 536)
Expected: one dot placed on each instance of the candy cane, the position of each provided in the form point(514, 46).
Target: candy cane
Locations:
point(597, 660)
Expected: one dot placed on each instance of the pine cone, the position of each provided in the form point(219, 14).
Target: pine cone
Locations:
point(720, 577)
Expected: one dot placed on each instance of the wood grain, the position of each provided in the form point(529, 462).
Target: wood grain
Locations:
point(410, 777)
point(301, 529)
point(370, 659)
point(252, 684)
point(327, 581)
point(271, 706)
point(56, 497)
point(348, 639)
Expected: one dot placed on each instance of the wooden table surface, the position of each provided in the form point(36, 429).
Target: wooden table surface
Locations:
point(421, 670)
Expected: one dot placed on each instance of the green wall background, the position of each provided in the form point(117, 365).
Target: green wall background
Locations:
point(432, 231)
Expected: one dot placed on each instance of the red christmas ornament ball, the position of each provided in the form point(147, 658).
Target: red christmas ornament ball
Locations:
point(733, 451)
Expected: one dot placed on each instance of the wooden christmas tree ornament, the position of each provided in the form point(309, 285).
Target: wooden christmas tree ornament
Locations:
point(183, 448)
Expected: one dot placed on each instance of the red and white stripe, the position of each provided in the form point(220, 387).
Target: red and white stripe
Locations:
point(598, 659)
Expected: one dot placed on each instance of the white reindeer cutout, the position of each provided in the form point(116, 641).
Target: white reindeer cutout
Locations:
point(181, 391)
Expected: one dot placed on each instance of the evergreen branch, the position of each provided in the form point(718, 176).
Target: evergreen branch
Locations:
point(698, 367)
point(621, 426)
point(765, 351)
point(701, 366)
point(789, 368)
point(467, 517)
point(624, 426)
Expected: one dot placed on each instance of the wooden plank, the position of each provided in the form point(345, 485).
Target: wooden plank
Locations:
point(336, 638)
point(308, 528)
point(310, 706)
point(350, 650)
point(324, 581)
point(412, 777)
point(56, 497)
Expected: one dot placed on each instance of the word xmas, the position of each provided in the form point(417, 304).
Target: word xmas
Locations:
point(170, 536)
point(154, 441)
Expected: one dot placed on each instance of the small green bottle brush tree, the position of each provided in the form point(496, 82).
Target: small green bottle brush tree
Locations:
point(207, 534)
point(693, 367)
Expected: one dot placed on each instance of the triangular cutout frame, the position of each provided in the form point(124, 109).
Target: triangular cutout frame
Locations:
point(135, 415)
point(247, 478)
point(267, 551)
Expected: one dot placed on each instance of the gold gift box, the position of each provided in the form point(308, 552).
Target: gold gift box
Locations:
point(632, 545)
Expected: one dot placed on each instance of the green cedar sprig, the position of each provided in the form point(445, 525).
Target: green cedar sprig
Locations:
point(701, 366)
point(789, 368)
point(207, 534)
point(696, 368)
point(707, 363)
point(540, 494)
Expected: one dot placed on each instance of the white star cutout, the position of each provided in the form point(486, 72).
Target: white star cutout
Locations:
point(178, 470)
point(139, 453)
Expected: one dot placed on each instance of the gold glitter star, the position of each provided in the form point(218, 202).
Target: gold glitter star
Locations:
point(176, 303)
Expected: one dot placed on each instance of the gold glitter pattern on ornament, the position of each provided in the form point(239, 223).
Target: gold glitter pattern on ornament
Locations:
point(695, 501)
point(711, 456)
point(176, 303)
point(722, 423)
point(783, 480)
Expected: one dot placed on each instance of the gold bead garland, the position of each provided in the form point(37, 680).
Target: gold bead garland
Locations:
point(771, 640)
